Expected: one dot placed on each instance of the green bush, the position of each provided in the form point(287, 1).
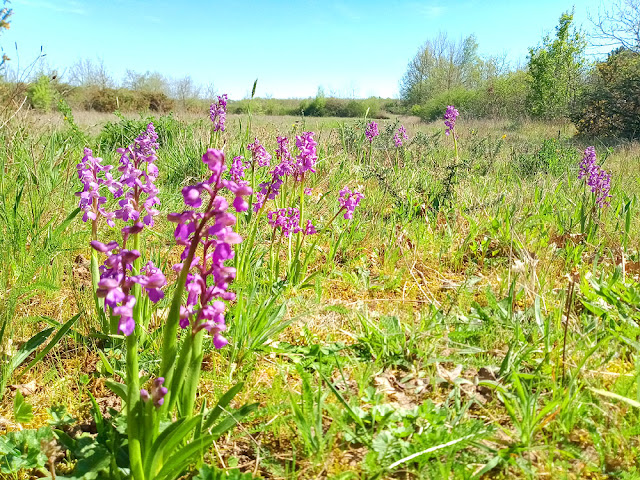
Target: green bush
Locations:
point(265, 106)
point(157, 102)
point(122, 99)
point(124, 131)
point(315, 107)
point(552, 157)
point(341, 107)
point(611, 105)
point(41, 94)
point(466, 101)
point(504, 96)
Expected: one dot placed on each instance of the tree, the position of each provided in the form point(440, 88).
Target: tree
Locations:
point(618, 25)
point(210, 92)
point(87, 73)
point(185, 89)
point(151, 82)
point(442, 65)
point(556, 71)
point(610, 105)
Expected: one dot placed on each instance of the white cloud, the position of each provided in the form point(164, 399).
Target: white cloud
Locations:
point(430, 11)
point(70, 6)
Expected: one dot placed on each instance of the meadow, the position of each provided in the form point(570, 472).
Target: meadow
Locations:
point(460, 305)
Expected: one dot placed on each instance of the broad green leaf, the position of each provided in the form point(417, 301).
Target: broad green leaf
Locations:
point(173, 436)
point(22, 411)
point(177, 463)
point(119, 389)
point(232, 420)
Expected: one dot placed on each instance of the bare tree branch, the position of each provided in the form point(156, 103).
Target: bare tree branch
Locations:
point(617, 24)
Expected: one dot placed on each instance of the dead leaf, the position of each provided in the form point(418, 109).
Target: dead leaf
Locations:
point(26, 388)
point(449, 376)
point(561, 240)
point(388, 384)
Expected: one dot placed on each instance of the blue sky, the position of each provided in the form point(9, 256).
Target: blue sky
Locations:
point(350, 48)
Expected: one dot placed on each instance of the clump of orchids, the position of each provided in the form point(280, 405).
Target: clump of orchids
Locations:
point(126, 282)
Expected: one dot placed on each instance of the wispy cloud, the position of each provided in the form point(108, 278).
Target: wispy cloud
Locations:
point(152, 19)
point(343, 9)
point(430, 11)
point(71, 6)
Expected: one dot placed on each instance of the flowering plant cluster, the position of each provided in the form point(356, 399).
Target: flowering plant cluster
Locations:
point(138, 197)
point(285, 185)
point(205, 230)
point(218, 113)
point(139, 173)
point(371, 131)
point(450, 117)
point(93, 175)
point(116, 280)
point(238, 166)
point(259, 154)
point(212, 231)
point(288, 166)
point(136, 184)
point(595, 177)
point(400, 136)
point(349, 200)
point(288, 221)
point(127, 284)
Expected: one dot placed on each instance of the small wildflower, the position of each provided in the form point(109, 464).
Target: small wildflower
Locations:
point(90, 173)
point(139, 174)
point(371, 131)
point(518, 266)
point(349, 201)
point(157, 394)
point(236, 172)
point(307, 158)
point(400, 136)
point(450, 117)
point(286, 219)
point(218, 113)
point(310, 229)
point(595, 177)
point(259, 153)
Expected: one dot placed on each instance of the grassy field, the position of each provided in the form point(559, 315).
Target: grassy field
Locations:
point(477, 318)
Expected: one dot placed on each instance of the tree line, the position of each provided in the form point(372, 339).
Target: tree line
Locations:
point(558, 81)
